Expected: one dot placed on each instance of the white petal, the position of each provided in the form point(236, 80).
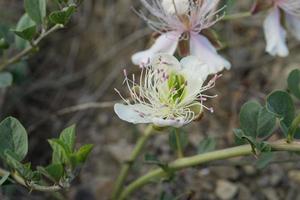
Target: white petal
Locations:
point(177, 123)
point(135, 114)
point(275, 35)
point(204, 50)
point(195, 72)
point(294, 25)
point(165, 43)
point(166, 62)
point(179, 7)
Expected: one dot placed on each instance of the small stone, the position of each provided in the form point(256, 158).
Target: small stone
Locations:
point(270, 194)
point(225, 172)
point(226, 190)
point(244, 193)
point(294, 175)
point(249, 170)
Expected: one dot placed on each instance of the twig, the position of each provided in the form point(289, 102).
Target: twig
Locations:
point(32, 186)
point(26, 51)
point(182, 163)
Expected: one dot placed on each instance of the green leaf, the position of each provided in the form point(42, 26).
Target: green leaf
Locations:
point(24, 23)
point(13, 136)
point(4, 178)
point(294, 83)
point(6, 79)
point(27, 33)
point(54, 171)
point(183, 139)
point(62, 17)
point(67, 136)
point(281, 104)
point(36, 9)
point(60, 154)
point(83, 153)
point(248, 118)
point(266, 123)
point(264, 159)
point(206, 145)
point(11, 160)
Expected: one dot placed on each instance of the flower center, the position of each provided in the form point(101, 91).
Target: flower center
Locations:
point(176, 85)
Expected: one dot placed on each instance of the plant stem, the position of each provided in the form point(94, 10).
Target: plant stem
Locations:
point(178, 144)
point(293, 129)
point(182, 163)
point(127, 165)
point(31, 186)
point(237, 16)
point(26, 51)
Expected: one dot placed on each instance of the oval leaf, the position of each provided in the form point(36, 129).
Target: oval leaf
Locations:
point(248, 118)
point(13, 137)
point(281, 104)
point(266, 123)
point(294, 82)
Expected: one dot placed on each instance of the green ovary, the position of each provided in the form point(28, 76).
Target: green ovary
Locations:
point(176, 84)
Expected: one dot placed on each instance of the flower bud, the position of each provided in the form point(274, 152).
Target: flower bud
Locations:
point(173, 7)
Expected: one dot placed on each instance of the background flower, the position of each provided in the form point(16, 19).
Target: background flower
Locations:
point(182, 23)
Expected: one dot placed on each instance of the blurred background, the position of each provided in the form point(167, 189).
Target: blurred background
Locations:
point(82, 64)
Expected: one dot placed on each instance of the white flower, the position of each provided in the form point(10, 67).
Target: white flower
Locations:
point(168, 93)
point(274, 32)
point(179, 20)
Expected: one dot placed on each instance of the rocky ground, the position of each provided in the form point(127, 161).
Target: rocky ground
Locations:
point(83, 63)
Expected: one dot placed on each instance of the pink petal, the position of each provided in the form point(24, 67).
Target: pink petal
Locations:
point(201, 47)
point(275, 35)
point(165, 43)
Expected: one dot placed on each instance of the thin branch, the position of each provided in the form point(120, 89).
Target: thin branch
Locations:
point(31, 186)
point(182, 163)
point(27, 51)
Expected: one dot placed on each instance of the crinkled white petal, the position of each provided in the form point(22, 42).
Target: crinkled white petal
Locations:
point(294, 25)
point(275, 35)
point(195, 72)
point(132, 113)
point(201, 47)
point(177, 123)
point(165, 43)
point(179, 7)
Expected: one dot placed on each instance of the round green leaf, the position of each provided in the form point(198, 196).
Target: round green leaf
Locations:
point(248, 118)
point(281, 104)
point(266, 123)
point(294, 82)
point(13, 137)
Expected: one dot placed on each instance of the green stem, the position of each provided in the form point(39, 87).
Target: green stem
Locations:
point(182, 163)
point(293, 129)
point(178, 144)
point(27, 51)
point(237, 16)
point(31, 186)
point(127, 165)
